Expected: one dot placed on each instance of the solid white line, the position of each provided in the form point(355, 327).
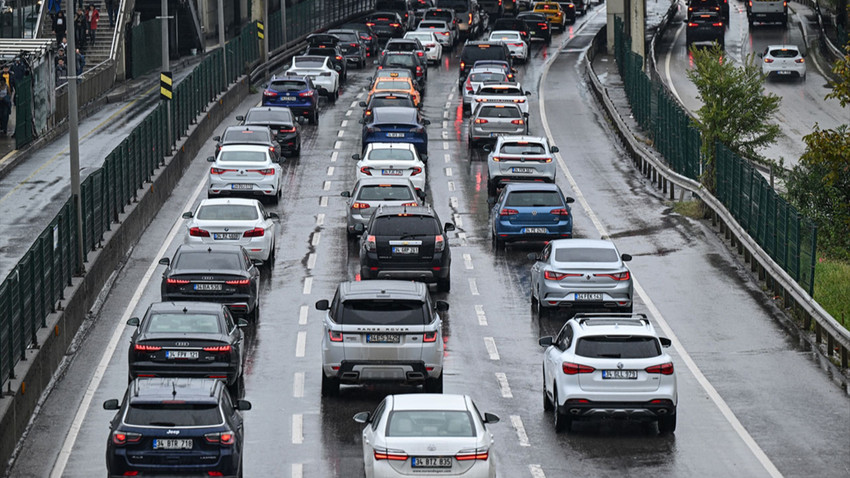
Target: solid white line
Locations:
point(320, 219)
point(504, 387)
point(334, 156)
point(536, 471)
point(302, 315)
point(448, 172)
point(467, 261)
point(447, 157)
point(323, 201)
point(326, 185)
point(492, 351)
point(482, 317)
point(331, 170)
point(719, 402)
point(516, 421)
point(297, 429)
point(311, 260)
point(453, 202)
point(316, 237)
point(297, 470)
point(667, 64)
point(343, 124)
point(94, 383)
point(308, 285)
point(458, 220)
point(473, 287)
point(298, 385)
point(301, 344)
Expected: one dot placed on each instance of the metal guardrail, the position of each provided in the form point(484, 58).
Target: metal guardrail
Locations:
point(93, 84)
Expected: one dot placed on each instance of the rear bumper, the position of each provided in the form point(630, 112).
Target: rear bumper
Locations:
point(186, 369)
point(118, 464)
point(618, 410)
point(397, 371)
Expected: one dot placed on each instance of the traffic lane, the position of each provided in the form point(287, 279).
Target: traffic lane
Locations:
point(696, 283)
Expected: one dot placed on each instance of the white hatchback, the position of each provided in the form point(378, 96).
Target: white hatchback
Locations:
point(783, 61)
point(433, 48)
point(395, 160)
point(239, 221)
point(427, 435)
point(245, 170)
point(515, 43)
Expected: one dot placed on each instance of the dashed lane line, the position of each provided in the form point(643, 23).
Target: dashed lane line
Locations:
point(337, 144)
point(320, 219)
point(449, 172)
point(297, 429)
point(451, 186)
point(297, 470)
point(492, 351)
point(467, 261)
point(536, 471)
point(473, 287)
point(447, 157)
point(348, 113)
point(340, 134)
point(445, 134)
point(326, 185)
point(334, 156)
point(504, 386)
point(298, 385)
point(453, 202)
point(462, 238)
point(458, 220)
point(323, 201)
point(343, 124)
point(479, 312)
point(301, 344)
point(331, 170)
point(311, 260)
point(316, 236)
point(308, 286)
point(445, 145)
point(516, 421)
point(302, 315)
point(354, 104)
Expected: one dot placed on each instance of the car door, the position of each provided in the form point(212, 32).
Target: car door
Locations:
point(538, 266)
point(235, 335)
point(553, 357)
point(369, 432)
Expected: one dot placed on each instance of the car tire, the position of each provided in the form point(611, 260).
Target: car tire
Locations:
point(498, 244)
point(237, 389)
point(314, 118)
point(492, 190)
point(434, 385)
point(254, 316)
point(547, 405)
point(332, 98)
point(540, 312)
point(445, 285)
point(330, 386)
point(667, 424)
point(562, 422)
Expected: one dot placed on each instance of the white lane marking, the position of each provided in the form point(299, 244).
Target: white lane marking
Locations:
point(348, 113)
point(458, 220)
point(297, 429)
point(445, 123)
point(445, 116)
point(331, 170)
point(326, 185)
point(473, 287)
point(359, 97)
point(320, 219)
point(323, 201)
point(492, 351)
point(453, 202)
point(338, 144)
point(667, 65)
point(448, 104)
point(334, 156)
point(445, 145)
point(343, 124)
point(94, 383)
point(302, 315)
point(536, 471)
point(340, 134)
point(298, 385)
point(719, 402)
point(451, 95)
point(451, 185)
point(316, 237)
point(445, 134)
point(504, 387)
point(311, 260)
point(482, 317)
point(448, 172)
point(301, 344)
point(467, 261)
point(462, 237)
point(516, 421)
point(308, 286)
point(355, 104)
point(298, 470)
point(447, 157)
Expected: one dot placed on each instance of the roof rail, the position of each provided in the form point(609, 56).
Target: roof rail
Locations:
point(582, 317)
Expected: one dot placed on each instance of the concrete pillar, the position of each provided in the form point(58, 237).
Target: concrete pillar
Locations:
point(638, 26)
point(615, 8)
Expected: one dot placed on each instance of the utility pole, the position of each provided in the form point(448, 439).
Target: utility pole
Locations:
point(221, 39)
point(283, 20)
point(165, 76)
point(265, 4)
point(74, 140)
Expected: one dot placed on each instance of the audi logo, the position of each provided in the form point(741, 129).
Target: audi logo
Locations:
point(181, 344)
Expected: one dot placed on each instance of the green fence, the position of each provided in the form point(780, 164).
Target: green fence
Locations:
point(789, 238)
point(145, 47)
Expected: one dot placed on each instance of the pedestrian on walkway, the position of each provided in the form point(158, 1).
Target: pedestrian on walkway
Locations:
point(5, 106)
point(112, 11)
point(59, 26)
point(81, 63)
point(64, 44)
point(8, 78)
point(81, 31)
point(20, 69)
point(94, 17)
point(61, 73)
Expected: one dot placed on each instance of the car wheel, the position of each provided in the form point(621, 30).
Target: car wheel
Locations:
point(547, 405)
point(445, 285)
point(254, 316)
point(237, 388)
point(330, 386)
point(334, 96)
point(667, 424)
point(541, 312)
point(491, 188)
point(314, 118)
point(563, 422)
point(498, 244)
point(434, 385)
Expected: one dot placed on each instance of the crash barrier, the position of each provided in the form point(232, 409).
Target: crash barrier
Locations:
point(828, 338)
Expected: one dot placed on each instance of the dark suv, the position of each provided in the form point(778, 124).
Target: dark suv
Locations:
point(482, 50)
point(406, 242)
point(706, 26)
point(175, 426)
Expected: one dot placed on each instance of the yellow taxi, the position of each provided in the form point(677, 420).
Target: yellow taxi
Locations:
point(554, 13)
point(395, 84)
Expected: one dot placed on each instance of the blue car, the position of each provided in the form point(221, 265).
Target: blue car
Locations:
point(298, 93)
point(531, 212)
point(396, 124)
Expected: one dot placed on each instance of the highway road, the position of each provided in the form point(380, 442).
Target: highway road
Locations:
point(751, 403)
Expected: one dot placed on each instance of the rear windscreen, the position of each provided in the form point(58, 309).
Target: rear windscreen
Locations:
point(183, 324)
point(391, 153)
point(385, 193)
point(496, 112)
point(493, 91)
point(281, 115)
point(384, 312)
point(786, 53)
point(227, 212)
point(439, 25)
point(392, 85)
point(430, 423)
point(397, 101)
point(423, 37)
point(615, 346)
point(242, 156)
point(288, 85)
point(522, 148)
point(473, 53)
point(533, 199)
point(308, 63)
point(488, 76)
point(586, 254)
point(399, 226)
point(173, 415)
point(399, 60)
point(207, 261)
point(235, 136)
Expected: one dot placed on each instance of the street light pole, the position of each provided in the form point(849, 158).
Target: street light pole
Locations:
point(221, 39)
point(74, 141)
point(166, 70)
point(283, 20)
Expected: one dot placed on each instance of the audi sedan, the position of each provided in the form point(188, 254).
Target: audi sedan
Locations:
point(399, 160)
point(233, 221)
point(245, 170)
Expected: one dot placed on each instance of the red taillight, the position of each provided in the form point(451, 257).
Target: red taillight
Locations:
point(367, 171)
point(256, 232)
point(768, 60)
point(692, 24)
point(224, 438)
point(339, 58)
point(663, 369)
point(480, 120)
point(370, 36)
point(335, 336)
point(439, 244)
point(146, 348)
point(415, 171)
point(371, 245)
point(122, 438)
point(221, 171)
point(420, 53)
point(370, 24)
point(271, 94)
point(411, 204)
point(288, 130)
point(264, 172)
point(559, 212)
point(574, 368)
point(198, 232)
point(800, 60)
point(462, 65)
point(360, 205)
point(430, 337)
point(552, 275)
point(393, 455)
point(466, 455)
point(306, 94)
point(544, 27)
point(618, 276)
point(418, 71)
point(394, 25)
point(517, 121)
point(218, 349)
point(508, 212)
point(516, 44)
point(717, 24)
point(352, 44)
point(176, 281)
point(238, 282)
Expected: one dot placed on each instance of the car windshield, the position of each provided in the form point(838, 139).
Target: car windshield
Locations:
point(277, 115)
point(173, 415)
point(384, 312)
point(242, 157)
point(496, 112)
point(288, 85)
point(424, 37)
point(391, 101)
point(784, 53)
point(404, 225)
point(385, 193)
point(459, 6)
point(586, 254)
point(534, 199)
point(391, 153)
point(499, 91)
point(245, 135)
point(227, 212)
point(183, 324)
point(488, 76)
point(430, 423)
point(614, 346)
point(392, 85)
point(523, 147)
point(203, 260)
point(504, 36)
point(436, 25)
point(308, 62)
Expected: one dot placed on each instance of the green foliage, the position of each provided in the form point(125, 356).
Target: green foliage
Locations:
point(832, 288)
point(841, 88)
point(735, 109)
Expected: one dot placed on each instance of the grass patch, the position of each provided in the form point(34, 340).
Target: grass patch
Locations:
point(832, 288)
point(691, 209)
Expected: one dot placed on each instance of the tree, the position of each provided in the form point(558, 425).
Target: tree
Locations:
point(735, 110)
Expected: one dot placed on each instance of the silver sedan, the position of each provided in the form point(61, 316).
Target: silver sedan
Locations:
point(490, 121)
point(370, 193)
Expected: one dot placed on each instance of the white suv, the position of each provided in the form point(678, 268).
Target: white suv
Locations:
point(609, 366)
point(382, 331)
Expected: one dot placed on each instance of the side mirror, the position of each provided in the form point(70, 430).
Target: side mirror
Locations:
point(491, 201)
point(546, 341)
point(257, 262)
point(525, 115)
point(359, 228)
point(625, 257)
point(165, 261)
point(421, 193)
point(442, 306)
point(554, 149)
point(665, 342)
point(242, 323)
point(424, 158)
point(211, 159)
point(487, 148)
point(527, 92)
point(134, 321)
point(188, 215)
point(345, 194)
point(363, 417)
point(362, 104)
point(272, 215)
point(426, 122)
point(216, 138)
point(533, 256)
point(355, 157)
point(323, 304)
point(569, 200)
point(761, 55)
point(243, 405)
point(448, 227)
point(490, 418)
point(240, 118)
point(361, 121)
point(111, 404)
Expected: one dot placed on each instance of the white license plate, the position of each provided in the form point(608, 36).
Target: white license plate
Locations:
point(405, 250)
point(227, 236)
point(207, 286)
point(241, 186)
point(288, 98)
point(536, 230)
point(522, 170)
point(395, 135)
point(181, 354)
point(391, 172)
point(619, 374)
point(173, 444)
point(783, 72)
point(383, 338)
point(431, 462)
point(589, 296)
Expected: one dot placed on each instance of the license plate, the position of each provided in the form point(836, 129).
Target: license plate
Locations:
point(783, 72)
point(383, 338)
point(395, 135)
point(391, 172)
point(228, 236)
point(522, 170)
point(589, 296)
point(207, 286)
point(619, 374)
point(431, 462)
point(181, 354)
point(242, 186)
point(405, 250)
point(536, 230)
point(173, 444)
point(288, 98)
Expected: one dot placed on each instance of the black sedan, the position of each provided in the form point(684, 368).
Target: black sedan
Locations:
point(409, 61)
point(282, 123)
point(538, 25)
point(367, 35)
point(213, 273)
point(187, 339)
point(386, 24)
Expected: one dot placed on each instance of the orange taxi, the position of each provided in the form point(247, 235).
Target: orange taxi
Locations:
point(554, 13)
point(395, 85)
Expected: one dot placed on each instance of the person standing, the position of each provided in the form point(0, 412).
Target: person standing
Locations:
point(93, 17)
point(80, 28)
point(81, 63)
point(61, 73)
point(5, 106)
point(59, 26)
point(111, 11)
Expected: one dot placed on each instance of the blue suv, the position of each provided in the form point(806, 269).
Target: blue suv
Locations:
point(531, 212)
point(396, 124)
point(296, 93)
point(175, 426)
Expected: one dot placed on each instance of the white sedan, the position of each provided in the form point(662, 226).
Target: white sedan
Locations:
point(427, 435)
point(320, 70)
point(433, 49)
point(494, 93)
point(237, 221)
point(441, 31)
point(515, 43)
point(783, 61)
point(245, 170)
point(395, 160)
